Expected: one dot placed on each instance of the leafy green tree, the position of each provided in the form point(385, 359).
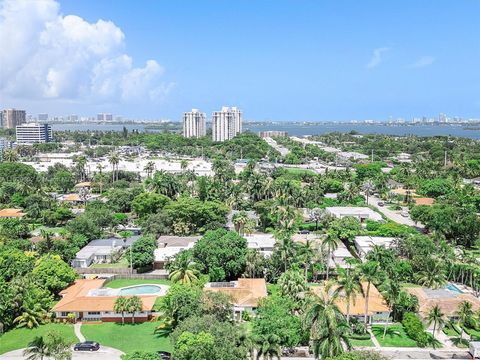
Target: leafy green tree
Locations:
point(52, 345)
point(222, 254)
point(63, 181)
point(293, 285)
point(142, 252)
point(141, 355)
point(54, 273)
point(194, 346)
point(149, 203)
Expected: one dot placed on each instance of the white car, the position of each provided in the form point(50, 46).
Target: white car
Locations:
point(404, 213)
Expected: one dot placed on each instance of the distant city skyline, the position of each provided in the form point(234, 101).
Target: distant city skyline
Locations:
point(280, 61)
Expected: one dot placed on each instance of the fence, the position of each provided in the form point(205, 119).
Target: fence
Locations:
point(118, 271)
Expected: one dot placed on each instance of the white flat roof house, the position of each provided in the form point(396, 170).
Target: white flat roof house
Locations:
point(361, 213)
point(364, 244)
point(169, 246)
point(339, 257)
point(262, 242)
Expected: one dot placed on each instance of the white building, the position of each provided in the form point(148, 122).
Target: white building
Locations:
point(262, 242)
point(4, 145)
point(194, 124)
point(361, 213)
point(33, 133)
point(364, 244)
point(104, 117)
point(226, 124)
point(340, 256)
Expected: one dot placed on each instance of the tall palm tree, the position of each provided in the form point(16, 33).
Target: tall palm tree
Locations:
point(37, 349)
point(114, 160)
point(239, 220)
point(268, 347)
point(432, 274)
point(464, 314)
point(10, 155)
point(149, 168)
point(120, 307)
point(307, 253)
point(285, 246)
point(329, 244)
point(329, 330)
point(348, 286)
point(134, 304)
point(249, 227)
point(369, 273)
point(436, 317)
point(254, 264)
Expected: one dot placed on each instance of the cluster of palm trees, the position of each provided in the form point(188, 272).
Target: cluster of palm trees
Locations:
point(128, 305)
point(52, 345)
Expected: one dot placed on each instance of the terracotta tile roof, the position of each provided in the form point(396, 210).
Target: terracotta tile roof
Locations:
point(376, 302)
point(402, 191)
point(11, 213)
point(83, 184)
point(75, 298)
point(448, 303)
point(424, 201)
point(246, 292)
point(72, 197)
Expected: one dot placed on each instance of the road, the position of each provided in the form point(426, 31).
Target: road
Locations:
point(105, 353)
point(394, 215)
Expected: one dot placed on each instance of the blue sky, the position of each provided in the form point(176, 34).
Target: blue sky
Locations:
point(276, 60)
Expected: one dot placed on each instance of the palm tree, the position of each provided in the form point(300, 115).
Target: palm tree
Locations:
point(432, 274)
point(37, 349)
point(120, 307)
point(183, 164)
point(268, 347)
point(185, 273)
point(348, 286)
point(114, 160)
point(149, 168)
point(328, 327)
point(254, 264)
point(464, 314)
point(285, 247)
point(134, 304)
point(239, 220)
point(9, 155)
point(249, 227)
point(436, 317)
point(330, 244)
point(307, 253)
point(100, 168)
point(29, 318)
point(368, 188)
point(293, 285)
point(369, 273)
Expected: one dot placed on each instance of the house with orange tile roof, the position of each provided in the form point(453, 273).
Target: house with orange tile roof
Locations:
point(88, 300)
point(378, 309)
point(424, 201)
point(11, 213)
point(244, 294)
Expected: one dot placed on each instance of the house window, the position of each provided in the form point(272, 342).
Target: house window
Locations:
point(94, 313)
point(64, 313)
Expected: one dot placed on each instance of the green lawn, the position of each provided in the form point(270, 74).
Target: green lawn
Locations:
point(362, 343)
point(128, 337)
point(19, 338)
point(119, 283)
point(395, 337)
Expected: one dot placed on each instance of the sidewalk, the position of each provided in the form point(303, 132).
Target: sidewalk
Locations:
point(78, 333)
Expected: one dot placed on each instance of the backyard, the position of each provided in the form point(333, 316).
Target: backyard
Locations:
point(19, 338)
point(128, 337)
point(120, 283)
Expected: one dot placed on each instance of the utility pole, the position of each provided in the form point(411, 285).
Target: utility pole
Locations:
point(445, 161)
point(131, 264)
point(372, 155)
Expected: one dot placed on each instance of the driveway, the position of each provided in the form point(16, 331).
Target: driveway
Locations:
point(105, 353)
point(394, 215)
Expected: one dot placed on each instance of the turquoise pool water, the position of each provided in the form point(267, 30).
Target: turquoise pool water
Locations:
point(453, 288)
point(140, 290)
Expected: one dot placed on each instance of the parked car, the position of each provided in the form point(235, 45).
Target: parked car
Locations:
point(304, 232)
point(87, 346)
point(404, 214)
point(164, 355)
point(381, 203)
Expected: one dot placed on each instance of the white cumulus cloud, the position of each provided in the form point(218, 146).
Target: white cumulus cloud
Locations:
point(423, 61)
point(377, 57)
point(48, 55)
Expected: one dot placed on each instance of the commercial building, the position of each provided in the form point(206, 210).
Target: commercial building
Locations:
point(11, 118)
point(88, 300)
point(272, 133)
point(34, 133)
point(194, 124)
point(104, 117)
point(226, 124)
point(42, 117)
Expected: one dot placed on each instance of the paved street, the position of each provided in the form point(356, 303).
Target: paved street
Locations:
point(105, 353)
point(393, 215)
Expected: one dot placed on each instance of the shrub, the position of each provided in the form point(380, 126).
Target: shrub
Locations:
point(415, 329)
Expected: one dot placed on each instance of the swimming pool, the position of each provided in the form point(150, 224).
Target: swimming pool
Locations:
point(141, 290)
point(451, 287)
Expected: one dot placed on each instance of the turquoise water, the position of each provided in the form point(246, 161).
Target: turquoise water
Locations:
point(453, 288)
point(140, 290)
